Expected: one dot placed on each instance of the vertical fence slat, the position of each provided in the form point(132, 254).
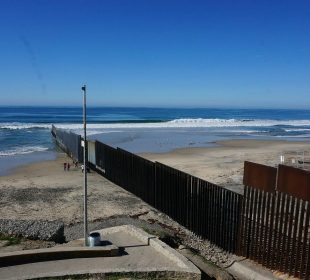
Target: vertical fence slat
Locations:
point(292, 261)
point(281, 229)
point(267, 227)
point(289, 234)
point(305, 253)
point(260, 248)
point(299, 239)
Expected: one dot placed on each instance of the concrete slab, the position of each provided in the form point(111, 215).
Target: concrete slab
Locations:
point(150, 241)
point(141, 254)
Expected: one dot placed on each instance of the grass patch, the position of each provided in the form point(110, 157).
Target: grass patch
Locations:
point(11, 240)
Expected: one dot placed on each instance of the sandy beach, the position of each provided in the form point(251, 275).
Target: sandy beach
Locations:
point(223, 164)
point(44, 191)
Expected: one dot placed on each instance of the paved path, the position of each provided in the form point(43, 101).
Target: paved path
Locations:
point(137, 256)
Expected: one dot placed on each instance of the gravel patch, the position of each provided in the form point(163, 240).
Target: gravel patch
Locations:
point(76, 231)
point(29, 195)
point(33, 229)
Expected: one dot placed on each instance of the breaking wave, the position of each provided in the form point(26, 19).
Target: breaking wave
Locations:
point(18, 126)
point(22, 150)
point(182, 123)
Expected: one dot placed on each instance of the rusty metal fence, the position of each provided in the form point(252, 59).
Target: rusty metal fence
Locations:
point(269, 224)
point(275, 217)
point(127, 170)
point(206, 209)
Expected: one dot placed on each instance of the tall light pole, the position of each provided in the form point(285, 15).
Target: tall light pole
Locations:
point(85, 167)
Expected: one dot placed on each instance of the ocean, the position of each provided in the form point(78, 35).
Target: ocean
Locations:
point(25, 131)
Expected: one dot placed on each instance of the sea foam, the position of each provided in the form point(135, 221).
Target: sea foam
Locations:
point(182, 123)
point(22, 150)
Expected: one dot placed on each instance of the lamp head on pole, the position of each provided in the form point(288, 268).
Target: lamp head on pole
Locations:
point(84, 88)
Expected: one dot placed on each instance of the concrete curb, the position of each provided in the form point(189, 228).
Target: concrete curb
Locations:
point(248, 270)
point(206, 267)
point(56, 253)
point(155, 243)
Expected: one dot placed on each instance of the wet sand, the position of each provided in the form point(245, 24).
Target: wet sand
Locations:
point(44, 191)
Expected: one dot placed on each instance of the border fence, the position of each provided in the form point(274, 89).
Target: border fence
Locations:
point(275, 218)
point(269, 224)
point(69, 142)
point(179, 195)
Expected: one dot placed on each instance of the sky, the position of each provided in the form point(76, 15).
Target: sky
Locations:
point(156, 53)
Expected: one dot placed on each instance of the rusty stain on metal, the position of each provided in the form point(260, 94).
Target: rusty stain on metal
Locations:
point(259, 176)
point(275, 223)
point(294, 181)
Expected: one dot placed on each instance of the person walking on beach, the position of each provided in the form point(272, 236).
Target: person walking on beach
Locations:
point(65, 166)
point(68, 166)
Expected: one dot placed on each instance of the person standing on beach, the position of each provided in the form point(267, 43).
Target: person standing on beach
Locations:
point(65, 166)
point(68, 166)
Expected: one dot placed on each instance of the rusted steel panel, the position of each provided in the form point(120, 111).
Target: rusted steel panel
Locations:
point(259, 176)
point(277, 236)
point(294, 181)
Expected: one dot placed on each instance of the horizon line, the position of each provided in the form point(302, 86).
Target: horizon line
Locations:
point(155, 107)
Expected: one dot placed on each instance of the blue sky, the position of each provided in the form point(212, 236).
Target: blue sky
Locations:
point(156, 53)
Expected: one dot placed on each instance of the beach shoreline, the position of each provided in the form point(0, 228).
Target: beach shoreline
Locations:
point(43, 190)
point(9, 164)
